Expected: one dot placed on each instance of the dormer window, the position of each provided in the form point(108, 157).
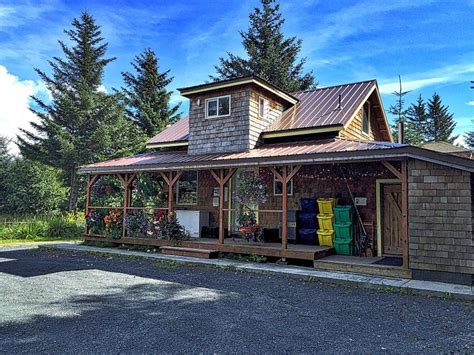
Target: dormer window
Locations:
point(262, 107)
point(366, 118)
point(218, 106)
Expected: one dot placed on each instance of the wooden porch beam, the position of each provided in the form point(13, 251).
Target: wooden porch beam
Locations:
point(293, 173)
point(404, 183)
point(392, 169)
point(277, 174)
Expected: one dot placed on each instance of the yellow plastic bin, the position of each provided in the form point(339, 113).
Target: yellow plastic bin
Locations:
point(325, 205)
point(325, 237)
point(326, 221)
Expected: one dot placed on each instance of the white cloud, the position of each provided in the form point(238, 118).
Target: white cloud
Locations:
point(448, 74)
point(14, 103)
point(351, 20)
point(470, 103)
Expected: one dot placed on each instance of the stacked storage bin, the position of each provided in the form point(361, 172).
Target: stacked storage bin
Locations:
point(307, 221)
point(343, 229)
point(326, 221)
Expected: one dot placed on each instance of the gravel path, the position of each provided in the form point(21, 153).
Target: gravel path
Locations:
point(63, 302)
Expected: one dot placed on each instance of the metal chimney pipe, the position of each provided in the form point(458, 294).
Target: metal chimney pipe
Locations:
point(401, 132)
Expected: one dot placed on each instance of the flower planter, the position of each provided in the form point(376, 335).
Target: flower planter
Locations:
point(248, 230)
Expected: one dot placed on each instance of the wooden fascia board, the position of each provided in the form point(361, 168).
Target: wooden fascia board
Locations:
point(382, 109)
point(166, 145)
point(301, 132)
point(379, 98)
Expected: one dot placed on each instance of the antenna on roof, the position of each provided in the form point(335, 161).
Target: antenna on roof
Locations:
point(339, 106)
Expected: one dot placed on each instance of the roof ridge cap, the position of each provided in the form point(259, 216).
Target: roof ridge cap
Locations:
point(333, 86)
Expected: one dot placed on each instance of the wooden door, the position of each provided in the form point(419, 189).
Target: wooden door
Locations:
point(392, 219)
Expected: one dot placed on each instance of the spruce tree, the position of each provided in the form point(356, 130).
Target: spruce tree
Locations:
point(81, 124)
point(416, 120)
point(441, 123)
point(270, 54)
point(399, 113)
point(146, 96)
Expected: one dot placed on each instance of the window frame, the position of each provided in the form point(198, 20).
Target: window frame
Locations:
point(197, 190)
point(217, 98)
point(290, 189)
point(265, 107)
point(368, 118)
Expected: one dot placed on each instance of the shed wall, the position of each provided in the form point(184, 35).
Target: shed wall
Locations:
point(440, 222)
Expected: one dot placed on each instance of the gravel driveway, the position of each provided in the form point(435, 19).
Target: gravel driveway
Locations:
point(63, 302)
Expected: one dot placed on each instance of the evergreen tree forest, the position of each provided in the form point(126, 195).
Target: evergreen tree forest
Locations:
point(84, 123)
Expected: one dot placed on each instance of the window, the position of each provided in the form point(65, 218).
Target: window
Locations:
point(366, 118)
point(218, 106)
point(278, 186)
point(262, 107)
point(186, 188)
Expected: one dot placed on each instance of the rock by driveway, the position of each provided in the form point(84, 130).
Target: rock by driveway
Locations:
point(63, 302)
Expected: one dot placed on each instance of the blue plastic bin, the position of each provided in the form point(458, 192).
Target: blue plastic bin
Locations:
point(307, 220)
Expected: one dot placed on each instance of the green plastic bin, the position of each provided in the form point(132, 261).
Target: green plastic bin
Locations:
point(343, 230)
point(343, 246)
point(343, 213)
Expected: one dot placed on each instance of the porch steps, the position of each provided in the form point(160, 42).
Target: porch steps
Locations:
point(192, 252)
point(368, 269)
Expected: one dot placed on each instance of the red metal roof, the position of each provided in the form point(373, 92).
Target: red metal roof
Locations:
point(320, 107)
point(178, 131)
point(180, 159)
point(316, 108)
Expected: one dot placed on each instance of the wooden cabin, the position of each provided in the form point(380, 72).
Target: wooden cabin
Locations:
point(413, 206)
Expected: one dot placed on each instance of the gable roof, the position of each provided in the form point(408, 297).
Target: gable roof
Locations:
point(177, 132)
point(321, 106)
point(329, 108)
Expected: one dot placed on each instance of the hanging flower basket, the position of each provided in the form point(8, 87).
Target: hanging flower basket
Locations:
point(251, 189)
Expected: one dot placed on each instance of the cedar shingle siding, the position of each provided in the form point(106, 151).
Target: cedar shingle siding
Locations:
point(235, 133)
point(440, 218)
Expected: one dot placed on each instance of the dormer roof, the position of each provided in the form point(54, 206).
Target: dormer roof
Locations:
point(252, 79)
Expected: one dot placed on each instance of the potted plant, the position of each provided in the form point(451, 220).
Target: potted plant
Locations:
point(247, 221)
point(251, 191)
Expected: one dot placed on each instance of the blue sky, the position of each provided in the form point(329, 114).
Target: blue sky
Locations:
point(430, 43)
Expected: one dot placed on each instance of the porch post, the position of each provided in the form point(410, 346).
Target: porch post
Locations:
point(126, 180)
point(170, 181)
point(404, 181)
point(284, 242)
point(222, 179)
point(285, 178)
point(91, 179)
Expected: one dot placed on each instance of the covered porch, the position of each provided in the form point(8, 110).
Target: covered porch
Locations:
point(287, 182)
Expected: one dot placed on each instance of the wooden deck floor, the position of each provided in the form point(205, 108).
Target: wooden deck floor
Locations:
point(236, 246)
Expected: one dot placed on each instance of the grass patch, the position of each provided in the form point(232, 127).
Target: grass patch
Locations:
point(168, 264)
point(16, 242)
point(53, 227)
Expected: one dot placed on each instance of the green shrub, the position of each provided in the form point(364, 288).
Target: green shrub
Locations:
point(58, 226)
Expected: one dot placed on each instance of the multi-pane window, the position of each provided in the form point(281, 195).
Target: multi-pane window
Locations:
point(218, 106)
point(366, 118)
point(186, 188)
